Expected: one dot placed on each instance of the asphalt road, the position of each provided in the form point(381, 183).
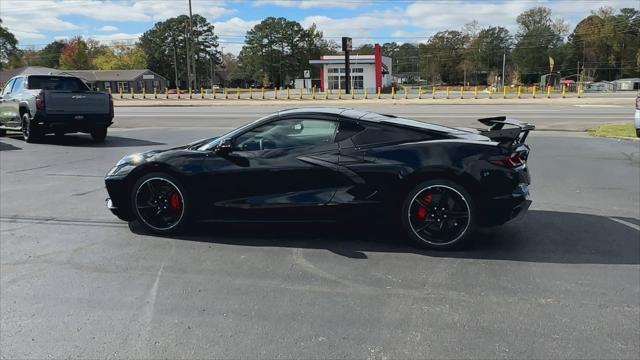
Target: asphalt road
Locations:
point(225, 117)
point(76, 282)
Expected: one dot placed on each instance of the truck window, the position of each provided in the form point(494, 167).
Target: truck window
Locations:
point(56, 83)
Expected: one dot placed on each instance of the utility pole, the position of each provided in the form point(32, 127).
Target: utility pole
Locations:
point(193, 53)
point(175, 64)
point(186, 35)
point(504, 59)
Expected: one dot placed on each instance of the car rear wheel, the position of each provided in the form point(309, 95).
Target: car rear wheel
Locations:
point(159, 203)
point(438, 214)
point(99, 134)
point(30, 132)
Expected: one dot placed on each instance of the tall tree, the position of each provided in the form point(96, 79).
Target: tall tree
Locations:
point(442, 57)
point(168, 40)
point(539, 36)
point(277, 51)
point(75, 55)
point(49, 56)
point(8, 45)
point(485, 52)
point(121, 57)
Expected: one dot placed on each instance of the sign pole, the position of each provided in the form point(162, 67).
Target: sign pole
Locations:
point(346, 47)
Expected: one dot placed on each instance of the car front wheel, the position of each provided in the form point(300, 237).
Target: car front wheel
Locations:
point(438, 214)
point(159, 203)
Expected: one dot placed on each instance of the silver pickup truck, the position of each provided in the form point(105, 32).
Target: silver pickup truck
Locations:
point(38, 105)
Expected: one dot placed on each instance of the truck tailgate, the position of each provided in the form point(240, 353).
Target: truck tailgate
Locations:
point(68, 102)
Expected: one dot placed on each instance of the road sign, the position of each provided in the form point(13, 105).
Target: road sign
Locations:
point(307, 74)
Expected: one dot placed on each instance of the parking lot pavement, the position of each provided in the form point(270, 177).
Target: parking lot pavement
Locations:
point(77, 282)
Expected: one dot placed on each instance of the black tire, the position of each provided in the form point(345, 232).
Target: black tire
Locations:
point(145, 205)
point(439, 225)
point(30, 132)
point(99, 134)
point(638, 133)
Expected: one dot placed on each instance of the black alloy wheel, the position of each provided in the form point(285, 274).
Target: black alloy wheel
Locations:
point(438, 214)
point(159, 203)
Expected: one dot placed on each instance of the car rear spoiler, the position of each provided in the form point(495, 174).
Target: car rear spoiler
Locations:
point(516, 133)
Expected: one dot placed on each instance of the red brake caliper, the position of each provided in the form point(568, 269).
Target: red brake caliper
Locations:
point(422, 212)
point(174, 201)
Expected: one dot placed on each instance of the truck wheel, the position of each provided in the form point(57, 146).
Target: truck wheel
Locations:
point(99, 134)
point(30, 133)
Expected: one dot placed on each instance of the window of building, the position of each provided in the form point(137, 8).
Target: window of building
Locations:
point(123, 86)
point(107, 86)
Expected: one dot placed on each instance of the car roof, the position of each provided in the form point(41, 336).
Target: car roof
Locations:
point(369, 116)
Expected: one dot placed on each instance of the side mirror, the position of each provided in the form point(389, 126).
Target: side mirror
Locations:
point(224, 147)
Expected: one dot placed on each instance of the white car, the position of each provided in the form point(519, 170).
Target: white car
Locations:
point(637, 122)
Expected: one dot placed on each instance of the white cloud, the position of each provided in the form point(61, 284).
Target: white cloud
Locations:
point(361, 28)
point(116, 38)
point(45, 15)
point(308, 4)
point(231, 33)
point(108, 28)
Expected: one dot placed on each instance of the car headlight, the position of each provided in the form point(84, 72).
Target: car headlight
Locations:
point(131, 159)
point(121, 169)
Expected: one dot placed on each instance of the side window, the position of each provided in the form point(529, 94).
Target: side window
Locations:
point(287, 133)
point(7, 88)
point(348, 129)
point(380, 134)
point(17, 85)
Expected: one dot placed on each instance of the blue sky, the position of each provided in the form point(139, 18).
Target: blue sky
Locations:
point(38, 22)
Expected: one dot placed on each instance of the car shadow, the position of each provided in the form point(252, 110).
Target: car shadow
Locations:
point(4, 146)
point(541, 236)
point(84, 140)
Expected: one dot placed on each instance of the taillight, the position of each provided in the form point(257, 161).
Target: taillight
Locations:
point(510, 161)
point(40, 101)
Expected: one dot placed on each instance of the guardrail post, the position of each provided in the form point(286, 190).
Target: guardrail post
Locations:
point(263, 93)
point(313, 92)
point(519, 91)
point(250, 93)
point(548, 92)
point(406, 93)
point(339, 94)
point(504, 91)
point(419, 92)
point(475, 92)
point(166, 93)
point(190, 93)
point(579, 90)
point(201, 93)
point(226, 93)
point(213, 90)
point(275, 93)
point(300, 98)
point(448, 92)
point(393, 93)
point(353, 93)
point(461, 92)
point(144, 93)
point(379, 92)
point(288, 93)
point(155, 93)
point(490, 92)
point(564, 91)
point(121, 94)
point(132, 96)
point(433, 92)
point(326, 94)
point(178, 92)
point(533, 91)
point(365, 93)
point(238, 93)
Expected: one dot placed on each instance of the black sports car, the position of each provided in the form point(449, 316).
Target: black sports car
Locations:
point(439, 183)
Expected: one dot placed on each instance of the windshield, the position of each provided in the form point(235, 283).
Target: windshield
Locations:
point(213, 143)
point(63, 83)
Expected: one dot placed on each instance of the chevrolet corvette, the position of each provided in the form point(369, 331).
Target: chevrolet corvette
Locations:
point(437, 183)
